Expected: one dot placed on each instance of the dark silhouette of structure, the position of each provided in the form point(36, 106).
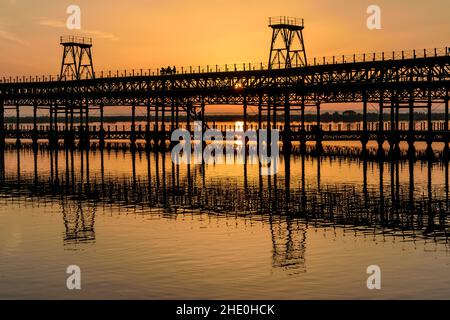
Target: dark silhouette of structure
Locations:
point(291, 51)
point(77, 58)
point(77, 61)
point(389, 82)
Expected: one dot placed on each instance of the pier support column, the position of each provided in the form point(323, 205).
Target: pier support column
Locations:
point(380, 136)
point(66, 126)
point(303, 128)
point(34, 135)
point(188, 116)
point(148, 139)
point(54, 142)
point(2, 124)
point(72, 127)
point(174, 122)
point(88, 136)
point(156, 128)
point(177, 115)
point(81, 129)
point(66, 118)
point(163, 125)
point(411, 128)
point(18, 142)
point(429, 150)
point(172, 115)
point(447, 138)
point(393, 131)
point(260, 106)
point(397, 127)
point(269, 126)
point(287, 144)
point(275, 106)
point(50, 126)
point(133, 127)
point(202, 116)
point(365, 134)
point(102, 127)
point(245, 120)
point(365, 113)
point(319, 146)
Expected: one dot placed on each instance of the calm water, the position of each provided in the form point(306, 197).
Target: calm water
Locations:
point(140, 227)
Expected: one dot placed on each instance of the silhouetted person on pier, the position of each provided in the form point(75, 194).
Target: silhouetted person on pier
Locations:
point(168, 71)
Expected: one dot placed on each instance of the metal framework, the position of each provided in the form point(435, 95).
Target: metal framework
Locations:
point(77, 58)
point(391, 85)
point(336, 83)
point(287, 48)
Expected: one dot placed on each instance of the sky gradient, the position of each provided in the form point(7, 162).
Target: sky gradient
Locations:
point(149, 34)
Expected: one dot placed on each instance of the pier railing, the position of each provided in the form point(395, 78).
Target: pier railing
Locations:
point(75, 39)
point(283, 20)
point(235, 67)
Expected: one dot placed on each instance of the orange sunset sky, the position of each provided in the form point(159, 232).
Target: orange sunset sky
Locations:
point(154, 33)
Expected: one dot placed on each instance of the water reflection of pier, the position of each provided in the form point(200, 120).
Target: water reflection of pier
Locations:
point(289, 204)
